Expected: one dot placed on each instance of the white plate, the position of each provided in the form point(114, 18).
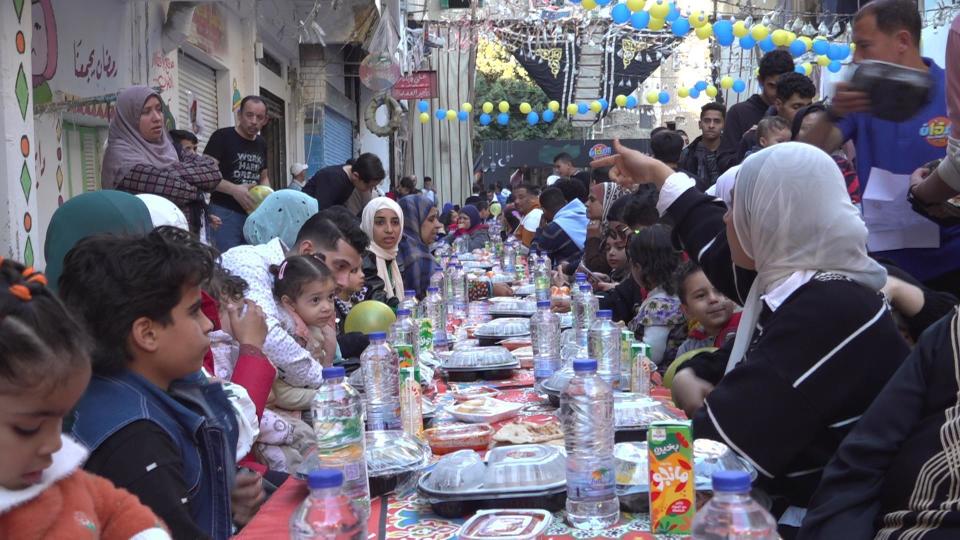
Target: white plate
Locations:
point(494, 410)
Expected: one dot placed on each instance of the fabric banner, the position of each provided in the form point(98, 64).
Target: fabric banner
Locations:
point(630, 60)
point(552, 66)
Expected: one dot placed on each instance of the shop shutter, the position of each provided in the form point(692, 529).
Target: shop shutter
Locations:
point(199, 80)
point(337, 138)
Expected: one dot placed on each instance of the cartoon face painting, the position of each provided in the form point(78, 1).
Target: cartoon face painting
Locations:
point(43, 46)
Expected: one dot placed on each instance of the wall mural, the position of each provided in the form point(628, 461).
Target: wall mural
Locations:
point(43, 50)
point(22, 91)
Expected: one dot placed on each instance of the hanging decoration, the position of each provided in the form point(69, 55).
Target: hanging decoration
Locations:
point(394, 116)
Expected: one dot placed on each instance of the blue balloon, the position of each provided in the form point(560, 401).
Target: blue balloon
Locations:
point(835, 66)
point(663, 97)
point(800, 70)
point(798, 48)
point(674, 13)
point(723, 27)
point(423, 106)
point(640, 20)
point(820, 46)
point(582, 108)
point(725, 40)
point(694, 92)
point(845, 50)
point(485, 119)
point(574, 1)
point(700, 86)
point(602, 3)
point(441, 114)
point(463, 116)
point(503, 118)
point(533, 118)
point(739, 86)
point(548, 116)
point(680, 27)
point(620, 13)
point(604, 104)
point(835, 52)
point(631, 102)
point(747, 42)
point(767, 44)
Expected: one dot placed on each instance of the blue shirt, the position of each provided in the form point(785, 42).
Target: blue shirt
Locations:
point(901, 148)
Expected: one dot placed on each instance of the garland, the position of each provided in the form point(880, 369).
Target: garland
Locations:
point(393, 115)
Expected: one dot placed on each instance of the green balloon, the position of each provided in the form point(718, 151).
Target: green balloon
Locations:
point(369, 316)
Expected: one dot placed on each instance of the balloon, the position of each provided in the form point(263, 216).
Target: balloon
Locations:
point(589, 4)
point(780, 37)
point(463, 116)
point(798, 48)
point(807, 42)
point(739, 86)
point(548, 116)
point(823, 61)
point(602, 2)
point(485, 119)
point(553, 106)
point(726, 82)
point(495, 209)
point(620, 13)
point(368, 317)
point(799, 69)
point(835, 66)
point(631, 102)
point(820, 46)
point(704, 31)
point(724, 40)
point(467, 108)
point(712, 91)
point(747, 42)
point(759, 32)
point(680, 27)
point(656, 24)
point(700, 86)
point(663, 97)
point(258, 193)
point(845, 51)
point(659, 9)
point(423, 106)
point(674, 13)
point(694, 93)
point(697, 19)
point(604, 104)
point(640, 20)
point(792, 37)
point(503, 119)
point(683, 92)
point(582, 108)
point(533, 118)
point(451, 114)
point(504, 107)
point(487, 107)
point(525, 108)
point(572, 109)
point(767, 45)
point(620, 100)
point(595, 106)
point(440, 114)
point(424, 117)
point(807, 68)
point(635, 5)
point(740, 29)
point(652, 96)
point(723, 27)
point(835, 52)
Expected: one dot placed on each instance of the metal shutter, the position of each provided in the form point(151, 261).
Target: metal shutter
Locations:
point(337, 138)
point(197, 79)
point(91, 155)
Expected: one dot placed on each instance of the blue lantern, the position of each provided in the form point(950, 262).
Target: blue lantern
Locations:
point(820, 46)
point(680, 27)
point(441, 114)
point(548, 116)
point(700, 86)
point(582, 108)
point(640, 20)
point(423, 106)
point(631, 102)
point(747, 42)
point(835, 66)
point(739, 86)
point(797, 48)
point(503, 118)
point(674, 14)
point(533, 118)
point(620, 13)
point(663, 97)
point(485, 119)
point(463, 116)
point(767, 44)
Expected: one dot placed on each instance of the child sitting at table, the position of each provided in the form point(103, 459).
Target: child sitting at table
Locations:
point(44, 369)
point(710, 313)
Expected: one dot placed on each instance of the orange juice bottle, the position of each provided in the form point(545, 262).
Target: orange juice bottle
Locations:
point(672, 485)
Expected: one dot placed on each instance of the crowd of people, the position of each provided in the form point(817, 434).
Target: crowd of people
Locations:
point(171, 346)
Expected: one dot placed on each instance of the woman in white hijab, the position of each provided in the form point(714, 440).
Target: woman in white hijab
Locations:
point(816, 342)
point(382, 220)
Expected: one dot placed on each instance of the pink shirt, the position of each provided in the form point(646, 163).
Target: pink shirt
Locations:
point(953, 76)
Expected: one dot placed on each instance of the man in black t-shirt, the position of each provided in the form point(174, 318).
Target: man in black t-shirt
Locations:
point(334, 185)
point(241, 154)
point(563, 167)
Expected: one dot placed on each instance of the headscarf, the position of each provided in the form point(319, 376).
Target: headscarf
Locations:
point(414, 254)
point(723, 189)
point(393, 287)
point(572, 218)
point(476, 223)
point(97, 212)
point(126, 147)
point(792, 213)
point(163, 211)
point(280, 215)
point(611, 192)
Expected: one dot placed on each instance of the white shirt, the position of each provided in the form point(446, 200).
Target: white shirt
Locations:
point(531, 221)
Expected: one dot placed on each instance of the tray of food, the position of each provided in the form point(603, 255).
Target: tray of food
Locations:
point(466, 393)
point(477, 358)
point(492, 332)
point(485, 410)
point(454, 437)
point(512, 307)
point(529, 432)
point(506, 524)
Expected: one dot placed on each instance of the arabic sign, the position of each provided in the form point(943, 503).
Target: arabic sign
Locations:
point(418, 85)
point(97, 64)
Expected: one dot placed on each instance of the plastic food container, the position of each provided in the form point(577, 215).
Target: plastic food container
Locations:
point(465, 344)
point(631, 411)
point(455, 437)
point(511, 307)
point(499, 329)
point(393, 457)
point(555, 384)
point(474, 392)
point(485, 410)
point(506, 525)
point(522, 476)
point(478, 357)
point(525, 290)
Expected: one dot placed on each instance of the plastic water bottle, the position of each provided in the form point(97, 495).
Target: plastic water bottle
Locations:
point(586, 413)
point(460, 294)
point(732, 514)
point(641, 367)
point(545, 339)
point(410, 302)
point(541, 278)
point(604, 346)
point(579, 279)
point(508, 260)
point(325, 513)
point(338, 424)
point(435, 309)
point(405, 339)
point(381, 386)
point(584, 312)
point(437, 278)
point(449, 275)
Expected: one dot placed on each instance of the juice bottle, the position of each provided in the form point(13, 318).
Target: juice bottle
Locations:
point(672, 485)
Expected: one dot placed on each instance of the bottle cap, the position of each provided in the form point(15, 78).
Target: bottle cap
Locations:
point(731, 481)
point(325, 478)
point(605, 314)
point(581, 276)
point(403, 312)
point(433, 289)
point(585, 287)
point(335, 372)
point(584, 364)
point(410, 292)
point(377, 335)
point(543, 303)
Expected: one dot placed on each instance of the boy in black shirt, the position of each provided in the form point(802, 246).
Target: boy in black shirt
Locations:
point(333, 186)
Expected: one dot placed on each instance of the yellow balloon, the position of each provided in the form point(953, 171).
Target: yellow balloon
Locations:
point(467, 108)
point(572, 109)
point(740, 29)
point(683, 92)
point(791, 38)
point(589, 4)
point(487, 107)
point(759, 32)
point(504, 106)
point(704, 31)
point(697, 19)
point(620, 100)
point(806, 41)
point(656, 24)
point(368, 317)
point(595, 106)
point(807, 68)
point(712, 91)
point(659, 10)
point(635, 5)
point(652, 97)
point(525, 108)
point(853, 47)
point(553, 106)
point(726, 82)
point(259, 193)
point(823, 61)
point(780, 37)
point(424, 117)
point(451, 114)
